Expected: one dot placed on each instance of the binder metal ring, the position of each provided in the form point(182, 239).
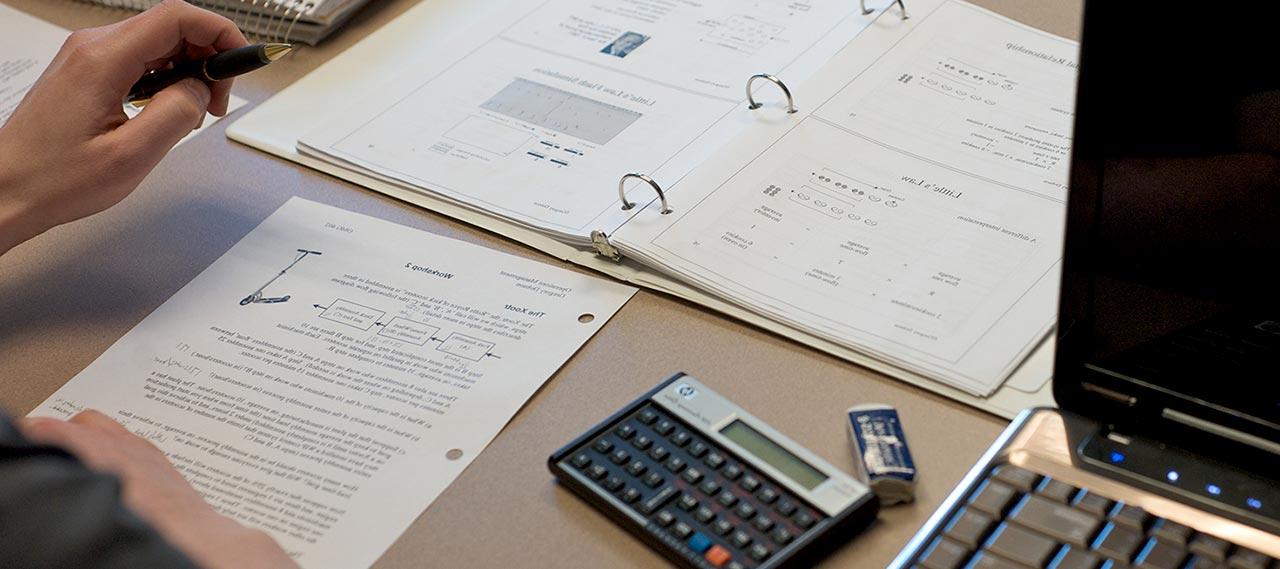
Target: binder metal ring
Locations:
point(622, 194)
point(751, 100)
point(900, 3)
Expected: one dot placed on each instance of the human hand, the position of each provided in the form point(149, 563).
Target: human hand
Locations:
point(158, 493)
point(69, 151)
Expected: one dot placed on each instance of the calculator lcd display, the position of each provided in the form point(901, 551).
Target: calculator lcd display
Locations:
point(771, 453)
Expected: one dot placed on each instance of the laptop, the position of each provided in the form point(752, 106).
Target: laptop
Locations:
point(1165, 449)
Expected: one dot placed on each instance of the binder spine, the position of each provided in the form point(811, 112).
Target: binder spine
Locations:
point(262, 20)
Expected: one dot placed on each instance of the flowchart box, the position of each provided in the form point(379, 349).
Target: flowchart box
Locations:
point(352, 314)
point(465, 346)
point(405, 330)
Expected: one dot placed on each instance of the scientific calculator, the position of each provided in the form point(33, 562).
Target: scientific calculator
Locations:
point(709, 485)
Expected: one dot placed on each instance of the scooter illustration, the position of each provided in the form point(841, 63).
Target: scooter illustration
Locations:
point(257, 298)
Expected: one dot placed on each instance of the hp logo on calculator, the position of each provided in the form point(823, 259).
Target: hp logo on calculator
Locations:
point(687, 391)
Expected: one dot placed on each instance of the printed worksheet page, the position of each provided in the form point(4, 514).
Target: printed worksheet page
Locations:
point(915, 214)
point(332, 373)
point(537, 113)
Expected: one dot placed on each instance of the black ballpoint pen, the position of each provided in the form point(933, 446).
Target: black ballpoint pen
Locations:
point(221, 66)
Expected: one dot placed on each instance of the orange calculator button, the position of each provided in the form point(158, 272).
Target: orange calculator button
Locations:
point(717, 556)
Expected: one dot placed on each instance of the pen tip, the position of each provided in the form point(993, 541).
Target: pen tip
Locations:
point(275, 51)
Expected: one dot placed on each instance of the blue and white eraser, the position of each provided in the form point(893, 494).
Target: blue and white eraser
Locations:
point(883, 457)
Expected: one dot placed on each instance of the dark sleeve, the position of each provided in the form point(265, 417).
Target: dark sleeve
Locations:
point(55, 512)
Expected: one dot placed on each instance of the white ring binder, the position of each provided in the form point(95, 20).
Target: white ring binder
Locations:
point(903, 6)
point(622, 194)
point(751, 101)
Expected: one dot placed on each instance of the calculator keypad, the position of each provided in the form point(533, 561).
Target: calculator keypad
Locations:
point(697, 497)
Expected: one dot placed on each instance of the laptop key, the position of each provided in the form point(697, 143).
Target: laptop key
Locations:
point(1248, 559)
point(1170, 531)
point(944, 554)
point(1055, 520)
point(1118, 542)
point(1197, 562)
point(1209, 547)
point(969, 526)
point(1056, 490)
point(993, 498)
point(1021, 545)
point(1075, 558)
point(1093, 503)
point(987, 561)
point(1016, 477)
point(1158, 554)
point(1132, 516)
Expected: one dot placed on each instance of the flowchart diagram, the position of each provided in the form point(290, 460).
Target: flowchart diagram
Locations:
point(406, 330)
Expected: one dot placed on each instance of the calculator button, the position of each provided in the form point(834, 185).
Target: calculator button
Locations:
point(717, 556)
point(603, 446)
point(613, 483)
point(675, 464)
point(582, 461)
point(687, 502)
point(619, 456)
point(759, 552)
point(665, 518)
point(785, 507)
point(698, 449)
point(692, 475)
point(659, 452)
point(630, 495)
point(699, 542)
point(804, 520)
point(704, 515)
point(637, 468)
point(745, 510)
point(664, 427)
point(625, 431)
point(749, 483)
point(768, 495)
point(653, 480)
point(642, 442)
point(714, 460)
point(740, 539)
point(722, 527)
point(735, 565)
point(657, 500)
point(647, 416)
point(680, 439)
point(597, 472)
point(727, 499)
point(732, 472)
point(710, 487)
point(681, 530)
point(763, 523)
point(781, 536)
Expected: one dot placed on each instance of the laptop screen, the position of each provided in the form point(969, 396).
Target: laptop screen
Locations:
point(1171, 295)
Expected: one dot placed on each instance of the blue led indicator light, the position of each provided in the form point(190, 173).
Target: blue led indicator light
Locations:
point(1254, 503)
point(1173, 476)
point(1214, 489)
point(1117, 457)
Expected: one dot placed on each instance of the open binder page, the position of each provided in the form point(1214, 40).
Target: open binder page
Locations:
point(916, 214)
point(538, 111)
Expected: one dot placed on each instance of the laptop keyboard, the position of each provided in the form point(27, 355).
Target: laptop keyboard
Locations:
point(1017, 519)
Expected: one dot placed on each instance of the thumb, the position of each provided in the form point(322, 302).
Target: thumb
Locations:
point(172, 114)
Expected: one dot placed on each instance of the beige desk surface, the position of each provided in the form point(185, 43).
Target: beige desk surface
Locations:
point(69, 294)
